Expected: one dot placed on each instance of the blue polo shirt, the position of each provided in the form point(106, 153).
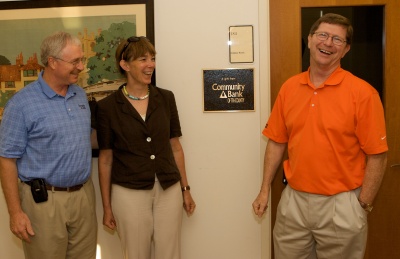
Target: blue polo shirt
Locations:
point(49, 134)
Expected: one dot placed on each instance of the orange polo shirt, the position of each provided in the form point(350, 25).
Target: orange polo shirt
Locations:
point(329, 131)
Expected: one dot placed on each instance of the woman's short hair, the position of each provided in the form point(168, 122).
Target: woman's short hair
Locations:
point(133, 48)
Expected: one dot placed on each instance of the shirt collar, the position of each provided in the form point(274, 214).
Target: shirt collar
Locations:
point(334, 79)
point(50, 92)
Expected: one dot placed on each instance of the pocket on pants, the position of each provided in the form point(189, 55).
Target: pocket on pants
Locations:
point(349, 215)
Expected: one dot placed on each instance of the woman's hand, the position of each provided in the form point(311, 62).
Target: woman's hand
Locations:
point(109, 220)
point(188, 202)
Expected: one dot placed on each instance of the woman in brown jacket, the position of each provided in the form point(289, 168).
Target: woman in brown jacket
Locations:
point(141, 161)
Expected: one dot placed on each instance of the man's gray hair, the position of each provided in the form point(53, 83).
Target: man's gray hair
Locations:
point(53, 45)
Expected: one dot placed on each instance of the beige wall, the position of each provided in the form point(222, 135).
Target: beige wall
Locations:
point(224, 151)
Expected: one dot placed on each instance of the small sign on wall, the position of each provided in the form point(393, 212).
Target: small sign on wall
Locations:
point(241, 44)
point(228, 90)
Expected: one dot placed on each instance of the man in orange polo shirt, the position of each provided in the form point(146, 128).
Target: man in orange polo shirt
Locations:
point(333, 125)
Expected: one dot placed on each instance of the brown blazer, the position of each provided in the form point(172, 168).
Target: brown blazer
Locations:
point(141, 149)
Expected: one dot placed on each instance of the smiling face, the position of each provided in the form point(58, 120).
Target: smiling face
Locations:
point(67, 71)
point(140, 70)
point(63, 69)
point(325, 54)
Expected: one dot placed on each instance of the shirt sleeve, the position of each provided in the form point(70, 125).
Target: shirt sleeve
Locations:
point(175, 126)
point(105, 137)
point(275, 129)
point(371, 129)
point(13, 131)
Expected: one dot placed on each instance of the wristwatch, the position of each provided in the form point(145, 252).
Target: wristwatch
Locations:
point(185, 188)
point(367, 207)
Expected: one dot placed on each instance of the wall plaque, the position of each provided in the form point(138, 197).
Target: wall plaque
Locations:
point(228, 90)
point(241, 44)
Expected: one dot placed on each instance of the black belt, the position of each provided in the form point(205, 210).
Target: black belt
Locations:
point(60, 189)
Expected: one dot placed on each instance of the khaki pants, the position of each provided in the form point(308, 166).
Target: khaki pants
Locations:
point(148, 220)
point(65, 225)
point(316, 226)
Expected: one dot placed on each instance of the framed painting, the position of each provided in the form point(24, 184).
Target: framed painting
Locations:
point(100, 25)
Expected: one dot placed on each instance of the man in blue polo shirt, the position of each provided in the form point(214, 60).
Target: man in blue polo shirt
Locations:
point(45, 158)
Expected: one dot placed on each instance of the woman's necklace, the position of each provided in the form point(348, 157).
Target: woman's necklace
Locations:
point(134, 97)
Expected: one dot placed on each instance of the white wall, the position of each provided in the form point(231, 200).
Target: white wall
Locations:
point(224, 151)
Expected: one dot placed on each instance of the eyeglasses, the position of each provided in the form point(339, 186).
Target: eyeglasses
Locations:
point(129, 40)
point(323, 36)
point(75, 62)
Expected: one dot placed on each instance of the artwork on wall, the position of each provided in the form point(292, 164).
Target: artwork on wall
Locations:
point(99, 25)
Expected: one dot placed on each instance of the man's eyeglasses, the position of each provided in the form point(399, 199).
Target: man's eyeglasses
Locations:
point(75, 62)
point(129, 40)
point(323, 36)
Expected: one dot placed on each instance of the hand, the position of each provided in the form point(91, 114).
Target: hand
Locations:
point(109, 220)
point(188, 203)
point(21, 227)
point(260, 204)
